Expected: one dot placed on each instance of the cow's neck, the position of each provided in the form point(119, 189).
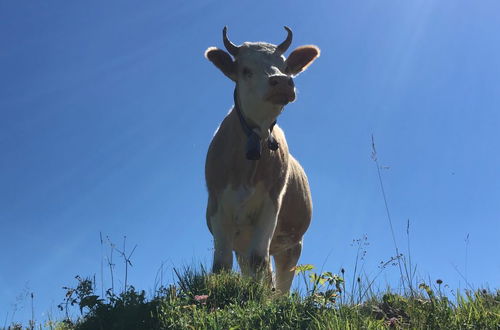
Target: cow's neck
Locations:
point(255, 133)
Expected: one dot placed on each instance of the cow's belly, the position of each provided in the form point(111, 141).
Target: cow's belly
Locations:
point(250, 212)
point(242, 205)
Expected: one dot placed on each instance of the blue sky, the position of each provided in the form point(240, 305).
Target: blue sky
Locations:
point(107, 110)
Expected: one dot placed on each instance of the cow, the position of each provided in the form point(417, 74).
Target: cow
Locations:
point(259, 201)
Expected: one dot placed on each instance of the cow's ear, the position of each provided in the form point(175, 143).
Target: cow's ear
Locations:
point(223, 61)
point(300, 59)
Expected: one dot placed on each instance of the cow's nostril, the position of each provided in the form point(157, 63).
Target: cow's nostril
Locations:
point(290, 82)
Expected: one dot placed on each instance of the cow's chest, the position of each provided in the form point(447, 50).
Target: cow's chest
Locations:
point(245, 204)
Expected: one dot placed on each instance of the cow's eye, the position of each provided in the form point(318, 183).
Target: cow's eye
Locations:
point(247, 73)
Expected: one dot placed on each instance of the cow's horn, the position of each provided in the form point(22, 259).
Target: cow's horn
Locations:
point(285, 44)
point(231, 48)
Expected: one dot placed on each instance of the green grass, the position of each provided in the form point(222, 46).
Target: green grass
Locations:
point(229, 301)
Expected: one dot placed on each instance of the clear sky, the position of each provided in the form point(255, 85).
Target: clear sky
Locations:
point(107, 110)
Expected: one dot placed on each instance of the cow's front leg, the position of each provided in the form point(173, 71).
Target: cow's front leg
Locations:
point(223, 233)
point(265, 224)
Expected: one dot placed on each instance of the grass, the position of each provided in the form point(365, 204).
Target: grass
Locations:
point(229, 301)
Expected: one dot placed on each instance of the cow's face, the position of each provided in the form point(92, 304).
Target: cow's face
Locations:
point(264, 78)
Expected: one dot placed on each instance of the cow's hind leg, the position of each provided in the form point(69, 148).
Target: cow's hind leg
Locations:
point(285, 261)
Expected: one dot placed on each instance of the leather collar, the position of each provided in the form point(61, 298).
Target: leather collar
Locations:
point(253, 148)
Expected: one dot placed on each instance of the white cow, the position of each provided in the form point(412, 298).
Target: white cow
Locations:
point(259, 203)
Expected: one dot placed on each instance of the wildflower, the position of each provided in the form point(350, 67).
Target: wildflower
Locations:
point(439, 281)
point(201, 298)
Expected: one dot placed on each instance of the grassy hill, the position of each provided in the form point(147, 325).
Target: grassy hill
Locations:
point(199, 300)
point(229, 301)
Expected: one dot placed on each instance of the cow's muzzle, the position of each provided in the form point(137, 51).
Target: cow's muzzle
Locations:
point(281, 90)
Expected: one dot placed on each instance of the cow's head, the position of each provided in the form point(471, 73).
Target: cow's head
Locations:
point(263, 76)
